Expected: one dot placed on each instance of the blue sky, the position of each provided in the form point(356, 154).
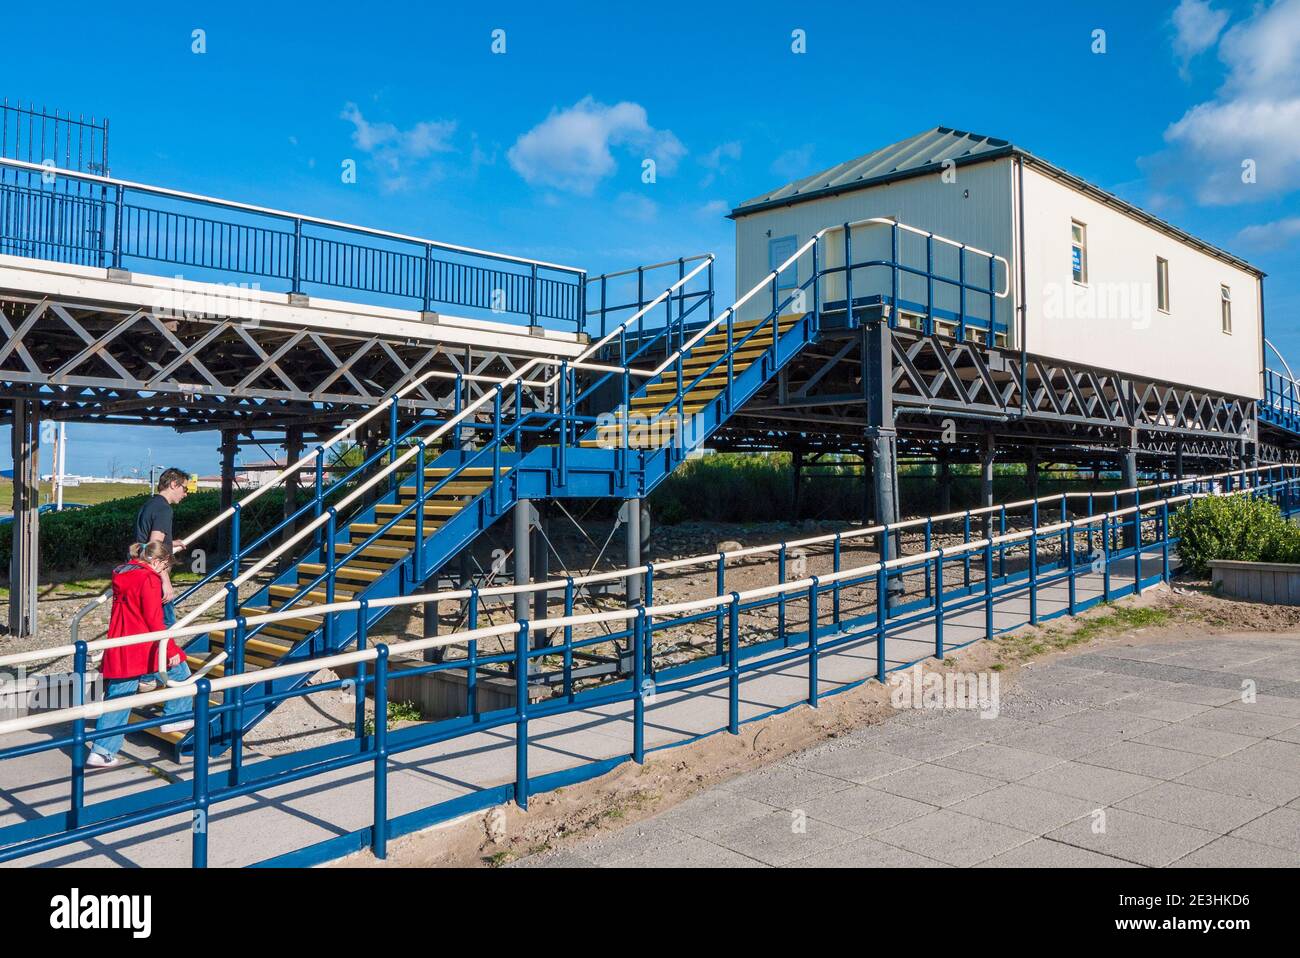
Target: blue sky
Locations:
point(538, 151)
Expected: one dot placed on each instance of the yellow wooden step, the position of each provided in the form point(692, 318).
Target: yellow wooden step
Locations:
point(297, 628)
point(450, 489)
point(402, 530)
point(265, 648)
point(281, 594)
point(468, 472)
point(372, 556)
point(310, 570)
point(435, 508)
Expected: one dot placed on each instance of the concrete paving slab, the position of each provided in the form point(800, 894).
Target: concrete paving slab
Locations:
point(1135, 838)
point(1188, 738)
point(1105, 786)
point(1197, 807)
point(1232, 852)
point(866, 853)
point(1280, 828)
point(782, 837)
point(852, 761)
point(864, 810)
point(934, 784)
point(954, 838)
point(1028, 809)
point(1046, 853)
point(1234, 776)
point(1149, 760)
point(998, 761)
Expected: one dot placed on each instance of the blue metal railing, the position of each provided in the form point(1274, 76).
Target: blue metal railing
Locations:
point(133, 226)
point(1148, 523)
point(1281, 403)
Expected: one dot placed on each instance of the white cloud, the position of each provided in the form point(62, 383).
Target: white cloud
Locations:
point(714, 208)
point(572, 149)
point(794, 163)
point(719, 159)
point(400, 156)
point(1197, 27)
point(1273, 235)
point(634, 206)
point(1254, 116)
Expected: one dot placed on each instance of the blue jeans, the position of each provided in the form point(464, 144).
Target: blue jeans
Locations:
point(169, 614)
point(116, 688)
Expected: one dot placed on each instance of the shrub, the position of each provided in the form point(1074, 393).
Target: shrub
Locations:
point(103, 533)
point(1239, 528)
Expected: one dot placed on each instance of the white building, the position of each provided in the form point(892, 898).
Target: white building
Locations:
point(1101, 282)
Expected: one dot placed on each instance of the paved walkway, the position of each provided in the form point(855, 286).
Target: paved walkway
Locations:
point(280, 820)
point(1134, 755)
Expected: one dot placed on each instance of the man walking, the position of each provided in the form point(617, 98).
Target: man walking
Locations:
point(154, 524)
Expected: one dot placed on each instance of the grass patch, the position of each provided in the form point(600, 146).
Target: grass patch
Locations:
point(397, 712)
point(1108, 620)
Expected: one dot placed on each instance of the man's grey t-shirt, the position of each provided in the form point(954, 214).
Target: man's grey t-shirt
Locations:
point(155, 516)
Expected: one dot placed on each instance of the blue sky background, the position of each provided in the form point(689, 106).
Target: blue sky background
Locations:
point(537, 152)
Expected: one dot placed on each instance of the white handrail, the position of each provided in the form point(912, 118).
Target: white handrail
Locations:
point(35, 655)
point(95, 709)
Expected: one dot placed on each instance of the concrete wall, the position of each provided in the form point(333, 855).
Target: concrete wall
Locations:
point(1113, 321)
point(982, 219)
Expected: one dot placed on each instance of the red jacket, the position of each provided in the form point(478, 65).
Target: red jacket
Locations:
point(137, 608)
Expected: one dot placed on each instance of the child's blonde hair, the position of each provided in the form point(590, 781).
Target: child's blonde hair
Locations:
point(154, 551)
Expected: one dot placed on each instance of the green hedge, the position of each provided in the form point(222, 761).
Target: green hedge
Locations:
point(103, 533)
point(1238, 528)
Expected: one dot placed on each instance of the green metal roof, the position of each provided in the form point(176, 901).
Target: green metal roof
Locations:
point(926, 153)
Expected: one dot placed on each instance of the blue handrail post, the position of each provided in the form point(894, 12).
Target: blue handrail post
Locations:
point(320, 490)
point(848, 276)
point(836, 559)
point(733, 665)
point(638, 686)
point(817, 286)
point(1033, 564)
point(893, 275)
point(393, 436)
point(331, 525)
point(568, 639)
point(720, 581)
point(532, 297)
point(1164, 540)
point(1105, 556)
point(234, 540)
point(580, 295)
point(564, 424)
point(1069, 565)
point(929, 284)
point(961, 295)
point(236, 699)
point(926, 545)
point(938, 605)
point(496, 450)
point(379, 832)
point(202, 748)
point(882, 619)
point(521, 716)
point(988, 589)
point(117, 227)
point(77, 797)
point(418, 557)
point(780, 598)
point(812, 643)
point(297, 255)
point(1033, 573)
point(428, 277)
point(993, 302)
point(471, 657)
point(359, 680)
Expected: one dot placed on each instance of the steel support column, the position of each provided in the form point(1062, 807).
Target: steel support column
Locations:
point(1128, 480)
point(882, 437)
point(430, 627)
point(632, 509)
point(541, 567)
point(23, 566)
point(229, 449)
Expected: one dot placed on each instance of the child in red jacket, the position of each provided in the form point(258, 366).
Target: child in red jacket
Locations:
point(137, 608)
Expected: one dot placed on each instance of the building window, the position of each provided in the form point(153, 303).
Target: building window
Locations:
point(780, 249)
point(1079, 251)
point(1225, 308)
point(1162, 284)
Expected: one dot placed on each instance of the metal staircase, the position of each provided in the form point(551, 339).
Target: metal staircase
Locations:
point(615, 428)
